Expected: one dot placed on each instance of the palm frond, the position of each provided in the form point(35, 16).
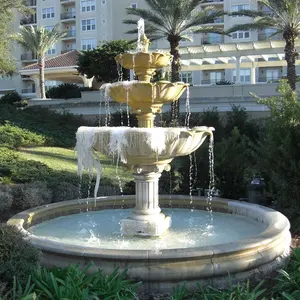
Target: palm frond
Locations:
point(249, 26)
point(248, 13)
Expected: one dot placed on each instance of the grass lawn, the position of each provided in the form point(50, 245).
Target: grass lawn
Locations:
point(62, 159)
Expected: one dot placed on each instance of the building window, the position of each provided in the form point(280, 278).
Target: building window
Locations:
point(51, 50)
point(186, 77)
point(236, 8)
point(272, 74)
point(215, 77)
point(88, 5)
point(49, 28)
point(240, 35)
point(88, 44)
point(133, 5)
point(48, 13)
point(245, 76)
point(88, 25)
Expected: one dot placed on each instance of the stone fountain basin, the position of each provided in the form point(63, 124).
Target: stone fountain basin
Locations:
point(143, 60)
point(161, 270)
point(142, 95)
point(144, 146)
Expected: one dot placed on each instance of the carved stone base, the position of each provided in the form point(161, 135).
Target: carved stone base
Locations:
point(147, 225)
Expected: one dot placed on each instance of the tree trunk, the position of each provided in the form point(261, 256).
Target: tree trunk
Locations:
point(175, 75)
point(290, 57)
point(41, 63)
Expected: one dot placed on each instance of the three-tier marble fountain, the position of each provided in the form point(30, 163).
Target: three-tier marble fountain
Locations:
point(132, 232)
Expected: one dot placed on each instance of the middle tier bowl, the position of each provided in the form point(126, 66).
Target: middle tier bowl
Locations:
point(141, 95)
point(143, 146)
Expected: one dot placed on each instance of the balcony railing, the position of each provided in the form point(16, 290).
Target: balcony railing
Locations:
point(212, 1)
point(28, 56)
point(262, 36)
point(30, 2)
point(70, 34)
point(270, 79)
point(212, 40)
point(68, 15)
point(67, 50)
point(28, 91)
point(211, 81)
point(62, 1)
point(29, 20)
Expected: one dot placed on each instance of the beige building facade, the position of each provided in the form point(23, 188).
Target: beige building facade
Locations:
point(243, 58)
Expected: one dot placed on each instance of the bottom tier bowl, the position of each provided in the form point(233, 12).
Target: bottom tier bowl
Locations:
point(245, 240)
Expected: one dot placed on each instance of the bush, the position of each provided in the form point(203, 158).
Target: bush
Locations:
point(31, 195)
point(17, 256)
point(11, 98)
point(6, 198)
point(57, 129)
point(14, 136)
point(224, 82)
point(64, 91)
point(65, 191)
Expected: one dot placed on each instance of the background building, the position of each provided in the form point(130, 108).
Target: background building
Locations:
point(244, 58)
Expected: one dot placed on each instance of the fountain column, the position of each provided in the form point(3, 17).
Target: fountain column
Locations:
point(147, 218)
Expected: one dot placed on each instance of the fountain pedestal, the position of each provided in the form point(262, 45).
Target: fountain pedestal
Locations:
point(147, 218)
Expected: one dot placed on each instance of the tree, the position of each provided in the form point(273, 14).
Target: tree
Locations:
point(174, 21)
point(284, 18)
point(39, 40)
point(101, 63)
point(7, 14)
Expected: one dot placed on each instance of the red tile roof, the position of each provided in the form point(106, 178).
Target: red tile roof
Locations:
point(68, 59)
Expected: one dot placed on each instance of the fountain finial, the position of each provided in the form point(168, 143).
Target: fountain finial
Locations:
point(143, 42)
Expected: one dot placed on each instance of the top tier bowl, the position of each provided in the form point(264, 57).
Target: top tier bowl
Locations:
point(144, 63)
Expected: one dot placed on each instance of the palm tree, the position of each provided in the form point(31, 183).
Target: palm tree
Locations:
point(175, 20)
point(284, 18)
point(39, 40)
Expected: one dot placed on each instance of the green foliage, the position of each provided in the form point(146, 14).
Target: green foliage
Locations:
point(11, 98)
point(224, 82)
point(288, 281)
point(277, 152)
point(64, 91)
point(101, 63)
point(74, 283)
point(31, 194)
point(57, 129)
point(17, 256)
point(180, 292)
point(65, 191)
point(15, 137)
point(6, 198)
point(241, 291)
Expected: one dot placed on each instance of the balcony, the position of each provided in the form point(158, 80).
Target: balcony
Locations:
point(68, 16)
point(212, 1)
point(266, 79)
point(212, 40)
point(67, 1)
point(71, 34)
point(211, 81)
point(30, 2)
point(262, 36)
point(67, 50)
point(28, 56)
point(29, 20)
point(28, 91)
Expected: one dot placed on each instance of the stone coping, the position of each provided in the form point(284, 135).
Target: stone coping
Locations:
point(275, 234)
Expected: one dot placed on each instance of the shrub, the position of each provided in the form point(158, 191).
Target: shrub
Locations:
point(6, 198)
point(17, 256)
point(224, 82)
point(31, 194)
point(73, 283)
point(10, 98)
point(64, 91)
point(14, 136)
point(65, 191)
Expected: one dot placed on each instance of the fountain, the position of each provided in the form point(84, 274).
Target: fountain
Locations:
point(244, 239)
